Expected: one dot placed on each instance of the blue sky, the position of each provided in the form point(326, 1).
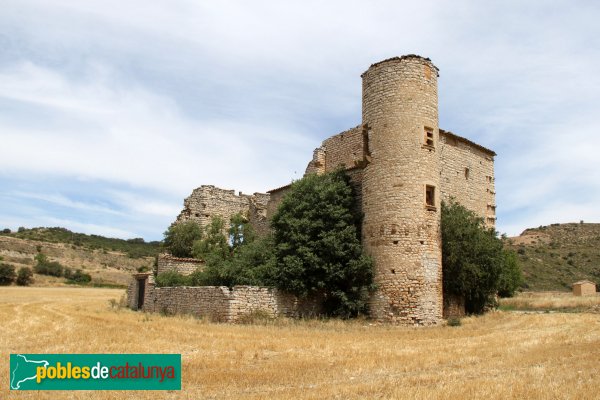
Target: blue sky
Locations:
point(112, 112)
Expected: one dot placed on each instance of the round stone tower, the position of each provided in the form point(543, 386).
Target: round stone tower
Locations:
point(401, 189)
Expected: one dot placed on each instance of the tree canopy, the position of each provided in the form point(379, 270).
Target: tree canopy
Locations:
point(179, 238)
point(475, 264)
point(317, 244)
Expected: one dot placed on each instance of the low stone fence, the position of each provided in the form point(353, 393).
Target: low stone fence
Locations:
point(218, 303)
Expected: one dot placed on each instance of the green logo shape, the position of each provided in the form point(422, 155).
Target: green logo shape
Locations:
point(95, 372)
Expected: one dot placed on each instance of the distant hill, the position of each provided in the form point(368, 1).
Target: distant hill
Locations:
point(107, 260)
point(554, 257)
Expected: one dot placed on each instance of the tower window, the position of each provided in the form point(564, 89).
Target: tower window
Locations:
point(429, 136)
point(430, 196)
point(467, 173)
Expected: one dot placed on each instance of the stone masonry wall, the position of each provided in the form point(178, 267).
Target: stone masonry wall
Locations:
point(400, 231)
point(208, 201)
point(219, 303)
point(467, 174)
point(184, 266)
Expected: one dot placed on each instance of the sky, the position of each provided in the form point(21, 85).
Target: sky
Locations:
point(112, 112)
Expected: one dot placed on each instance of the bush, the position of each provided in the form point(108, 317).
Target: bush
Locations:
point(25, 276)
point(6, 230)
point(46, 267)
point(79, 277)
point(7, 274)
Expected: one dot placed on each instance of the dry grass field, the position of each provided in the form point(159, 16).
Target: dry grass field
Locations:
point(552, 301)
point(502, 355)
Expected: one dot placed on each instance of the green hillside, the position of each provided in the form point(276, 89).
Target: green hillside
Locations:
point(554, 257)
point(134, 248)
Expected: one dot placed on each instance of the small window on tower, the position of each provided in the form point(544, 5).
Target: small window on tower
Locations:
point(428, 136)
point(430, 197)
point(467, 173)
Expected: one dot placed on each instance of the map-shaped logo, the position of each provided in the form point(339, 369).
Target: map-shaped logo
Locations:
point(23, 370)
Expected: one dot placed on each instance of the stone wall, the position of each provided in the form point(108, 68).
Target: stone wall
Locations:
point(454, 307)
point(468, 175)
point(208, 201)
point(184, 266)
point(400, 230)
point(219, 303)
point(276, 196)
point(134, 287)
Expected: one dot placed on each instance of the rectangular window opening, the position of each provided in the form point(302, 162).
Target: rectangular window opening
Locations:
point(430, 196)
point(429, 137)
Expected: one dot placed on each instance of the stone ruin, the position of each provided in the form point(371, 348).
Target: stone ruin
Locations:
point(402, 165)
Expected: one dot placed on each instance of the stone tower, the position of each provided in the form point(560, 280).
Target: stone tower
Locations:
point(401, 189)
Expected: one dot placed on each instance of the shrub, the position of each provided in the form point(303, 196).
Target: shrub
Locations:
point(454, 321)
point(80, 277)
point(143, 268)
point(7, 274)
point(46, 267)
point(6, 230)
point(25, 276)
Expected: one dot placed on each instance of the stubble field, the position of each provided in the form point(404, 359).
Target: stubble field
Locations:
point(502, 355)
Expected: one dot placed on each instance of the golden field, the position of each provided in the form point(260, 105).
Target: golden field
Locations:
point(552, 301)
point(502, 355)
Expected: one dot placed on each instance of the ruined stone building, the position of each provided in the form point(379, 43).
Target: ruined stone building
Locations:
point(402, 166)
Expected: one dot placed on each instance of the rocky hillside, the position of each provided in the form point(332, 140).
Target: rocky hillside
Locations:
point(105, 262)
point(554, 257)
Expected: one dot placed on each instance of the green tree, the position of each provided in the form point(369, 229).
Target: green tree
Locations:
point(24, 276)
point(240, 232)
point(473, 258)
point(317, 246)
point(252, 263)
point(511, 276)
point(180, 238)
point(213, 246)
point(7, 274)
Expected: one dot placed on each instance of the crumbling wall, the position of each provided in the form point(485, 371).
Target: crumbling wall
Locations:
point(219, 303)
point(346, 148)
point(467, 174)
point(276, 196)
point(184, 266)
point(208, 201)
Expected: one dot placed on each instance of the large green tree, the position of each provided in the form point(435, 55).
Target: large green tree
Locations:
point(317, 246)
point(180, 238)
point(475, 264)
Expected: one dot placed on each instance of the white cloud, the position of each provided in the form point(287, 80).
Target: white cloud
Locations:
point(160, 97)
